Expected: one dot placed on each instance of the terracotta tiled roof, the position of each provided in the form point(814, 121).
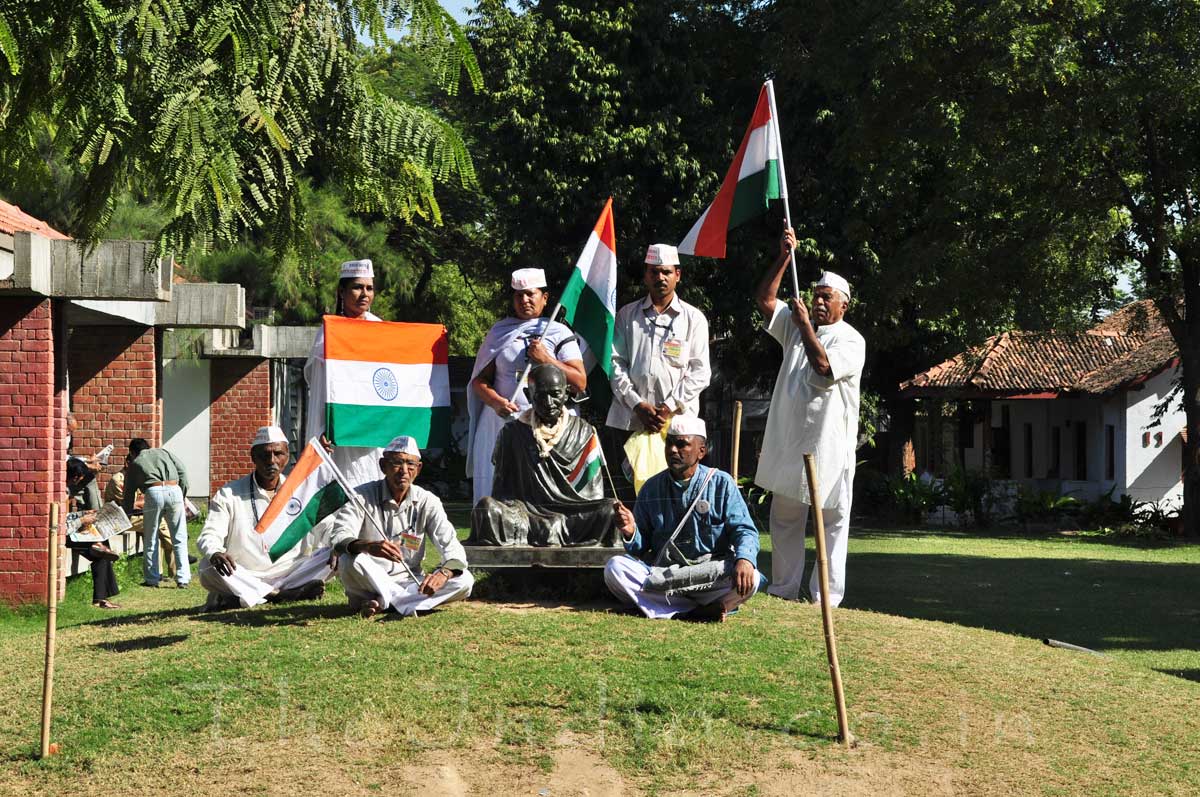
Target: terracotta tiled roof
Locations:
point(13, 219)
point(1127, 347)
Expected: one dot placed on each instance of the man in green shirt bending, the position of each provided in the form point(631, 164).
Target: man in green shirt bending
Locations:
point(163, 480)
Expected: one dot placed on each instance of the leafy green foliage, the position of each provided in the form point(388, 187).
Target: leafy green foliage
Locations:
point(217, 109)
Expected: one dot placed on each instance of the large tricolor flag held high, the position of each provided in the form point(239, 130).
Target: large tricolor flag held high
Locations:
point(385, 379)
point(754, 178)
point(309, 494)
point(590, 296)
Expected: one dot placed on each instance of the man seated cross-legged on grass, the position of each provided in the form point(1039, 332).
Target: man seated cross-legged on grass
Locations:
point(236, 568)
point(381, 554)
point(691, 543)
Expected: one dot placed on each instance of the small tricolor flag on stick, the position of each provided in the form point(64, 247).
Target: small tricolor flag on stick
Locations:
point(310, 494)
point(588, 464)
point(385, 379)
point(754, 179)
point(590, 296)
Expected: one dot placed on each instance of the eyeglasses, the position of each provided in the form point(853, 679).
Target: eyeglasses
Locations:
point(397, 464)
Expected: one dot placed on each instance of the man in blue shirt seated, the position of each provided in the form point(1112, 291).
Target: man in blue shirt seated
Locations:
point(691, 544)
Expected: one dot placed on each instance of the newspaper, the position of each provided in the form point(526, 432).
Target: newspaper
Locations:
point(103, 454)
point(110, 519)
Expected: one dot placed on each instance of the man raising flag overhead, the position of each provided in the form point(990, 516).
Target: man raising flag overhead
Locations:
point(755, 177)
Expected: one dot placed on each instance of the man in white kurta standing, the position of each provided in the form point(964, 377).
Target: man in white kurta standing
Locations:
point(235, 567)
point(814, 410)
point(380, 554)
point(355, 293)
point(660, 355)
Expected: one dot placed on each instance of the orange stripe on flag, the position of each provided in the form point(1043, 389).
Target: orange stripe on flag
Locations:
point(306, 466)
point(604, 227)
point(583, 459)
point(385, 341)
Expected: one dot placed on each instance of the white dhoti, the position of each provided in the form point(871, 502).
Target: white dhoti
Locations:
point(626, 579)
point(368, 578)
point(789, 519)
point(252, 587)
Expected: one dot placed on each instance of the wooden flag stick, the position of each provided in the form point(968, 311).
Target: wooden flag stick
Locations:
point(835, 670)
point(737, 440)
point(51, 626)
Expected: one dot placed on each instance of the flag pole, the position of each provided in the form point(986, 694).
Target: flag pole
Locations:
point(783, 191)
point(352, 495)
point(529, 366)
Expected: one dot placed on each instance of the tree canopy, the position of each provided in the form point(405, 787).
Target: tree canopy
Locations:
point(217, 109)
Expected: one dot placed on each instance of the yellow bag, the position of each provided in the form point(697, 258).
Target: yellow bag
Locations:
point(647, 455)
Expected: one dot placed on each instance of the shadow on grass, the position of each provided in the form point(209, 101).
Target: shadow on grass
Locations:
point(141, 643)
point(299, 614)
point(1100, 604)
point(141, 618)
point(1189, 675)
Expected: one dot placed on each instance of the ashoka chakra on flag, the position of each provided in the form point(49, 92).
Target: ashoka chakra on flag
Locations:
point(385, 379)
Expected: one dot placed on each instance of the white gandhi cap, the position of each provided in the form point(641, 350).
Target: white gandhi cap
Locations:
point(404, 445)
point(268, 434)
point(357, 269)
point(831, 280)
point(662, 255)
point(688, 424)
point(524, 279)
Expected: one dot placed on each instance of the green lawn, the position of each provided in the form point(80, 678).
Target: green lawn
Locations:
point(541, 684)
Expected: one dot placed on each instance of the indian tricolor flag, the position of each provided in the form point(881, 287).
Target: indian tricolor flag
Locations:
point(753, 180)
point(588, 464)
point(307, 496)
point(385, 379)
point(590, 296)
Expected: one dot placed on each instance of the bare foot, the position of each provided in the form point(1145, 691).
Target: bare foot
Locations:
point(370, 610)
point(106, 604)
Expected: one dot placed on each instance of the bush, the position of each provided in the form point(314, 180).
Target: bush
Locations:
point(911, 498)
point(969, 492)
point(1044, 505)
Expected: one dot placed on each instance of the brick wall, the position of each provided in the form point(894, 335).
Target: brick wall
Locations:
point(114, 390)
point(241, 403)
point(32, 447)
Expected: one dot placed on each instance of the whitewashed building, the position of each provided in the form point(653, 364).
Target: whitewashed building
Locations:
point(1077, 413)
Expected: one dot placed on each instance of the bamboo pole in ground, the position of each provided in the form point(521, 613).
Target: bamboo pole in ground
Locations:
point(737, 440)
point(835, 670)
point(51, 628)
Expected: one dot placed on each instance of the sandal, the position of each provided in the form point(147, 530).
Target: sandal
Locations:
point(106, 604)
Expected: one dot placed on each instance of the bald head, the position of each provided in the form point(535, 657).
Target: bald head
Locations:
point(548, 393)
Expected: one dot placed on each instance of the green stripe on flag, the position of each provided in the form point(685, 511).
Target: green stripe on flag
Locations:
point(589, 473)
point(588, 316)
point(324, 502)
point(753, 194)
point(359, 425)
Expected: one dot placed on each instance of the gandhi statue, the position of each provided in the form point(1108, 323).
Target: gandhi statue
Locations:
point(549, 485)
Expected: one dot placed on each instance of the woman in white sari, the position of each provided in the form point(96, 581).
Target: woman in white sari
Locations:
point(512, 344)
point(356, 291)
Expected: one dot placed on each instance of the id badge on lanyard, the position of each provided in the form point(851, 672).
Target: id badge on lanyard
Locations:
point(410, 539)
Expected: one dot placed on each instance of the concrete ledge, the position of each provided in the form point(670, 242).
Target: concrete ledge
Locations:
point(31, 263)
point(203, 305)
point(112, 270)
point(489, 557)
point(269, 342)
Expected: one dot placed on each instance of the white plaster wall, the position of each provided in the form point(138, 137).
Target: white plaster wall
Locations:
point(186, 392)
point(1152, 472)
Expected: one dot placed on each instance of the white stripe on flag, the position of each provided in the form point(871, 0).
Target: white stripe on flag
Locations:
point(688, 245)
point(387, 384)
point(759, 149)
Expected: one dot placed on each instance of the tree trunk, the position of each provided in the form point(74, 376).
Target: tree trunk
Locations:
point(1190, 357)
point(901, 420)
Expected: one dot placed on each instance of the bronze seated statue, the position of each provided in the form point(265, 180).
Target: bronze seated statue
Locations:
point(549, 486)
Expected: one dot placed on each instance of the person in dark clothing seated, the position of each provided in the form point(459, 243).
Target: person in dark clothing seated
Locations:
point(85, 496)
